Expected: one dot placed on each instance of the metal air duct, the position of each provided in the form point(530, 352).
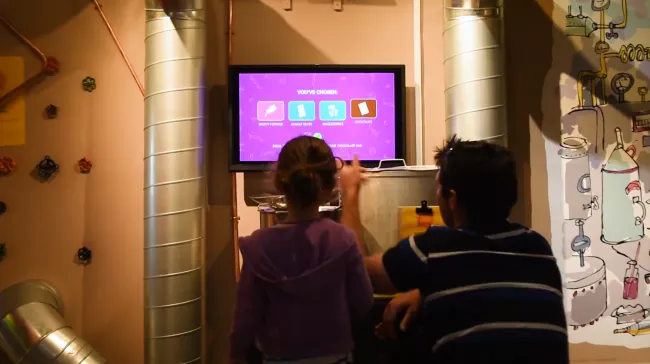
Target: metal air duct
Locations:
point(32, 329)
point(174, 185)
point(474, 66)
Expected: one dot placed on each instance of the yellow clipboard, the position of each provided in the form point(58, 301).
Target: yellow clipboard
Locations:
point(412, 223)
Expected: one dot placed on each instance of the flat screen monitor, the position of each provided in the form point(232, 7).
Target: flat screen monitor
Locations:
point(356, 109)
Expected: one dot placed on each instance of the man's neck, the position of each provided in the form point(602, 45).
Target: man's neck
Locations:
point(487, 227)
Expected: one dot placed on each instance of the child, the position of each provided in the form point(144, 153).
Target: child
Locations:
point(302, 282)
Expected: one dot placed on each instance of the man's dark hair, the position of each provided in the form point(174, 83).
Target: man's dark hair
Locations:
point(482, 174)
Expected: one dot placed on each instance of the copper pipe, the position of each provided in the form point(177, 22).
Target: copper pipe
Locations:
point(233, 176)
point(49, 64)
point(98, 6)
point(24, 40)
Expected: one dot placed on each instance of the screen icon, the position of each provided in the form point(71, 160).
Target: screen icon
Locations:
point(270, 110)
point(363, 108)
point(332, 110)
point(302, 111)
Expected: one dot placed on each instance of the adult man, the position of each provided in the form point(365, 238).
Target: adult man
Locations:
point(490, 290)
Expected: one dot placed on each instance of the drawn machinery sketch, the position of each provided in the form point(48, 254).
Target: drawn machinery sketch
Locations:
point(605, 170)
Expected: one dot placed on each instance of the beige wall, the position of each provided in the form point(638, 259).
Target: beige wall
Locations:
point(47, 223)
point(365, 32)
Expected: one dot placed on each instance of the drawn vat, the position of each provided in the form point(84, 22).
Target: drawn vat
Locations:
point(623, 211)
point(585, 292)
point(576, 177)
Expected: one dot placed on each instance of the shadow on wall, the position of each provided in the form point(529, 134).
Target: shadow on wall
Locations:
point(272, 40)
point(533, 73)
point(48, 16)
point(536, 60)
point(359, 2)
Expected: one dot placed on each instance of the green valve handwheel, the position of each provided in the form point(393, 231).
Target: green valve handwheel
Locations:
point(89, 84)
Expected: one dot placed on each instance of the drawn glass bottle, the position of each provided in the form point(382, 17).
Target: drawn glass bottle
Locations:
point(622, 208)
point(631, 281)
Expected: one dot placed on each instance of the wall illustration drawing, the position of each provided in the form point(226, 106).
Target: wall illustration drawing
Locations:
point(604, 154)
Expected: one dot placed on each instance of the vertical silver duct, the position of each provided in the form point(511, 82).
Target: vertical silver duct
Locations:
point(475, 94)
point(32, 329)
point(174, 185)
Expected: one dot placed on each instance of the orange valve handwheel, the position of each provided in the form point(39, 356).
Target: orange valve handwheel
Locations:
point(52, 65)
point(7, 165)
point(85, 165)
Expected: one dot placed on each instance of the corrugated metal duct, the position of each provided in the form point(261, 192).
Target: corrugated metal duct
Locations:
point(474, 66)
point(174, 185)
point(33, 331)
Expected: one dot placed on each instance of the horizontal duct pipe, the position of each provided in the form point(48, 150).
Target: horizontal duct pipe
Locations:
point(474, 69)
point(33, 331)
point(174, 191)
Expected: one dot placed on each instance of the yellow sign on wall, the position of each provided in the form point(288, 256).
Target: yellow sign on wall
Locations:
point(12, 113)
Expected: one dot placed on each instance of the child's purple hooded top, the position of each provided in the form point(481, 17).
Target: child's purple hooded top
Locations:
point(300, 287)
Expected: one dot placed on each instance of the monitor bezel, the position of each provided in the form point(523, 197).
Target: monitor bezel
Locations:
point(237, 165)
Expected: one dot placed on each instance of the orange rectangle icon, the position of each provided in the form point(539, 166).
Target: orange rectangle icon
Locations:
point(363, 108)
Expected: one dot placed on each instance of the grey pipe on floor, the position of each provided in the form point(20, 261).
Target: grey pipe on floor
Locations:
point(33, 331)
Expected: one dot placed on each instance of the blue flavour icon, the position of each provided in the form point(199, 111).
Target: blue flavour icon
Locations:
point(302, 111)
point(332, 110)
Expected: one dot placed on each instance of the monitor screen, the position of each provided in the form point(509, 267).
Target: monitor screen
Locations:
point(357, 110)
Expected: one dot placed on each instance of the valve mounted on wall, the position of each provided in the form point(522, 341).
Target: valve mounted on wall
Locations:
point(46, 168)
point(3, 208)
point(51, 111)
point(85, 165)
point(52, 65)
point(7, 165)
point(89, 84)
point(84, 256)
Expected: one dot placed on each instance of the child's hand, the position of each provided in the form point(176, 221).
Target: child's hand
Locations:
point(351, 176)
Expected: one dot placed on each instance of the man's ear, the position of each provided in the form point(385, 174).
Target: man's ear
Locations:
point(453, 200)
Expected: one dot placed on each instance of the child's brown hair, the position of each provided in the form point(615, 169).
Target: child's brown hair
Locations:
point(306, 171)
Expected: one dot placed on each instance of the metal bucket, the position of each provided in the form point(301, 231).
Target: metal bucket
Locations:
point(273, 210)
point(384, 192)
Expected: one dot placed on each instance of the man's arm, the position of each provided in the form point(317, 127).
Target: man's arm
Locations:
point(398, 269)
point(374, 266)
point(350, 218)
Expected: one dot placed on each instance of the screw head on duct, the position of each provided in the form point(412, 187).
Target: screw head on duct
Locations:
point(89, 84)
